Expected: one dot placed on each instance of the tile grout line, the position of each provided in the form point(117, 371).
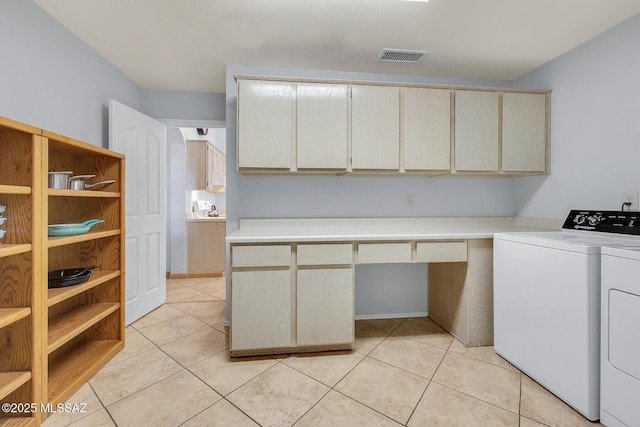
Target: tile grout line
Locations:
point(429, 384)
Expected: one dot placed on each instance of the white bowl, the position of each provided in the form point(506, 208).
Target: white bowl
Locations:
point(2, 208)
point(2, 220)
point(2, 233)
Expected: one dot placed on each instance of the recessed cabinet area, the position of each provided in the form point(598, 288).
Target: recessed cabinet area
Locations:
point(320, 127)
point(53, 340)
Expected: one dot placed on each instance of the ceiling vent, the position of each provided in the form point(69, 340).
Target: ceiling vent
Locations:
point(401, 55)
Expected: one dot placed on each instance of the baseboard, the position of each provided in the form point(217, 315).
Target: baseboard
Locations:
point(193, 275)
point(390, 315)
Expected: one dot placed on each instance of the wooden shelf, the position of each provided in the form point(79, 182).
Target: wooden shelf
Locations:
point(82, 193)
point(69, 373)
point(66, 326)
point(11, 315)
point(92, 235)
point(14, 189)
point(63, 340)
point(98, 277)
point(10, 249)
point(18, 422)
point(11, 381)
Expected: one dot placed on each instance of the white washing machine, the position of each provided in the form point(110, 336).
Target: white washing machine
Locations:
point(620, 350)
point(547, 304)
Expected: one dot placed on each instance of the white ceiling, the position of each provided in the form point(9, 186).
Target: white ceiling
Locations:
point(184, 45)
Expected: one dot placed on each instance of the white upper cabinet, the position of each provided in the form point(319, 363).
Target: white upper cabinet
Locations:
point(426, 129)
point(375, 128)
point(476, 131)
point(322, 126)
point(265, 123)
point(524, 132)
point(305, 126)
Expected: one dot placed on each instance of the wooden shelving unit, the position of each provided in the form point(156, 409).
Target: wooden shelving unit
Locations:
point(53, 340)
point(18, 422)
point(69, 372)
point(11, 315)
point(85, 325)
point(21, 310)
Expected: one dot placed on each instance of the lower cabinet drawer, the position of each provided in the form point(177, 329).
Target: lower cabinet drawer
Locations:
point(384, 253)
point(325, 254)
point(441, 251)
point(261, 256)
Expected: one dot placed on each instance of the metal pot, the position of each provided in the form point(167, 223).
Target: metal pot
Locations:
point(59, 180)
point(77, 182)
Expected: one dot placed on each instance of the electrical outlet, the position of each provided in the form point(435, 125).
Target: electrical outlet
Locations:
point(410, 201)
point(630, 196)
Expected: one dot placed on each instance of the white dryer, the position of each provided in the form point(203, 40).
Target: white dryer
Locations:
point(620, 349)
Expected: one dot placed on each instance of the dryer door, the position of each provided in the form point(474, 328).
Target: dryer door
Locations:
point(624, 336)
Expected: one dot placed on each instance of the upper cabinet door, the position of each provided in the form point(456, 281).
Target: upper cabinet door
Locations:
point(322, 129)
point(265, 124)
point(426, 128)
point(375, 128)
point(524, 132)
point(476, 130)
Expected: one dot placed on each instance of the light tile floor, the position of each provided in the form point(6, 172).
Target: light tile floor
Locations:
point(175, 371)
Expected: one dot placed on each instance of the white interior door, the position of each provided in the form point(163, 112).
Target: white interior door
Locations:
point(143, 141)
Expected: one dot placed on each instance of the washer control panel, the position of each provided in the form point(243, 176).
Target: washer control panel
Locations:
point(621, 222)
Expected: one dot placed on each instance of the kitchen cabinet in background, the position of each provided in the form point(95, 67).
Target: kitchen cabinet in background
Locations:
point(206, 250)
point(206, 166)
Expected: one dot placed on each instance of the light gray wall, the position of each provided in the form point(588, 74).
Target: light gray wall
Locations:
point(51, 79)
point(176, 215)
point(184, 105)
point(595, 126)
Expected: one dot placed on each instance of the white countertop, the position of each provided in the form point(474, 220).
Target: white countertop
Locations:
point(193, 218)
point(382, 229)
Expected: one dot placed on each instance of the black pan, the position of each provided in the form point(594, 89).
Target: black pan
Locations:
point(69, 276)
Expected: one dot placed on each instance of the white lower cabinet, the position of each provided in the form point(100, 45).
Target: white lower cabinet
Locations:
point(260, 309)
point(276, 306)
point(325, 306)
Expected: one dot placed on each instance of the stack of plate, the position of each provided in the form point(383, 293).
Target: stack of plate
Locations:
point(2, 220)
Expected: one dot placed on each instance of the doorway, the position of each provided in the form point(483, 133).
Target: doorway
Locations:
point(195, 244)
